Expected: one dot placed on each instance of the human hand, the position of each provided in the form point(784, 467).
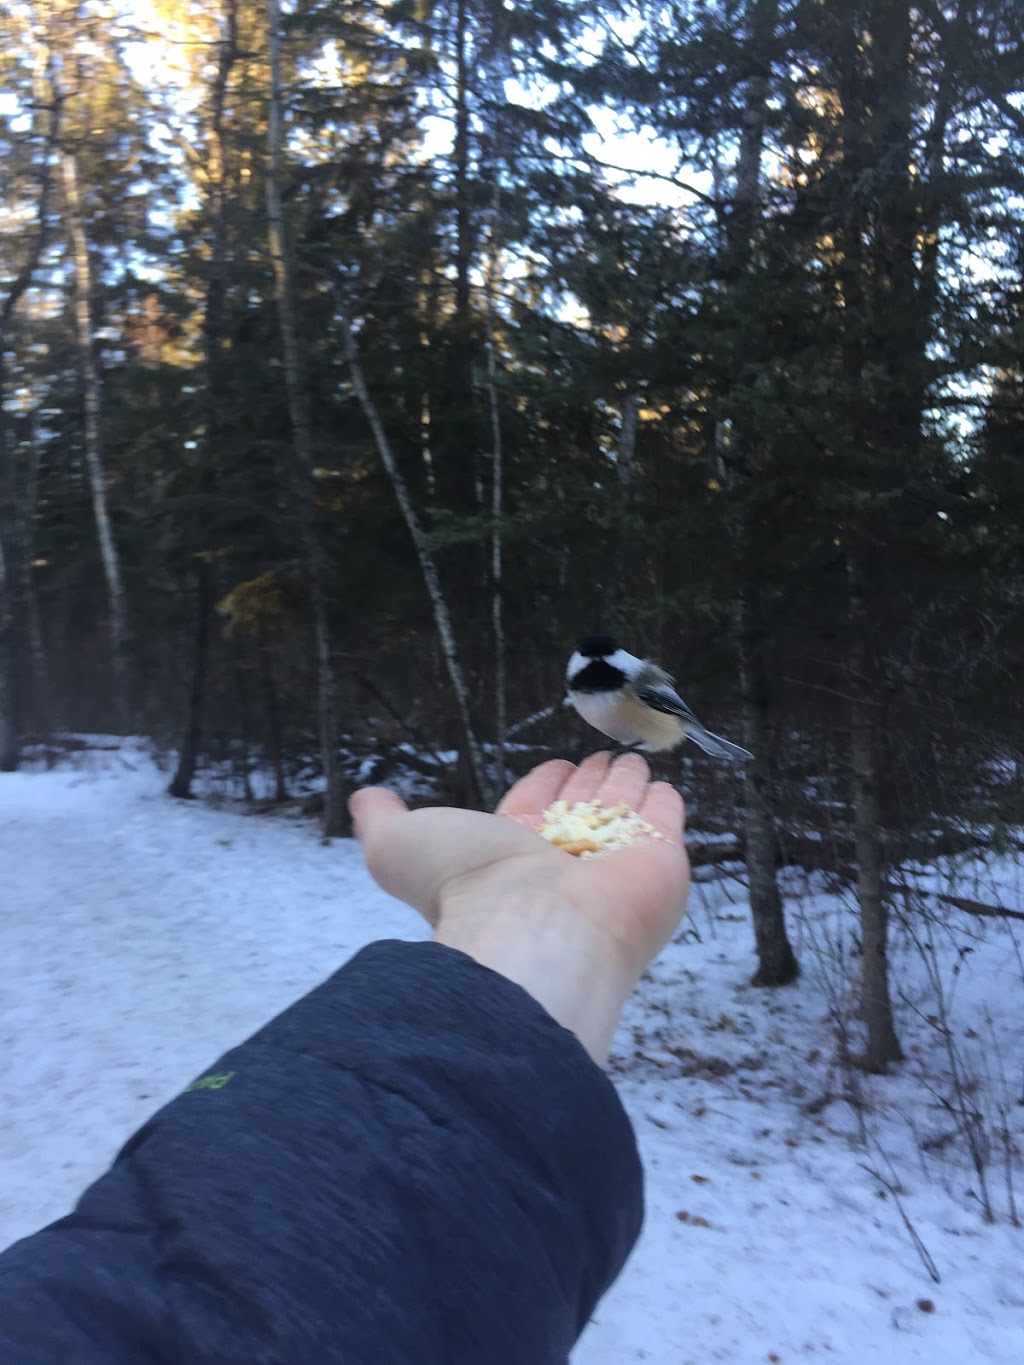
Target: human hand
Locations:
point(576, 933)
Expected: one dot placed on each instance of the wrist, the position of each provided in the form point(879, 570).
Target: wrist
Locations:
point(542, 943)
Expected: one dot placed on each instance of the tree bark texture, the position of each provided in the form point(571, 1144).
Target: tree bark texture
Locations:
point(190, 750)
point(876, 432)
point(191, 744)
point(625, 461)
point(901, 299)
point(460, 157)
point(882, 1045)
point(9, 506)
point(13, 508)
point(497, 499)
point(8, 722)
point(777, 963)
point(42, 702)
point(91, 395)
point(458, 430)
point(956, 34)
point(275, 742)
point(335, 820)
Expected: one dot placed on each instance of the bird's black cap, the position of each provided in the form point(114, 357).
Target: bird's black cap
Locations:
point(597, 646)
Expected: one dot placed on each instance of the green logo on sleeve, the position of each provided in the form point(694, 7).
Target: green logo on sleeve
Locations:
point(215, 1080)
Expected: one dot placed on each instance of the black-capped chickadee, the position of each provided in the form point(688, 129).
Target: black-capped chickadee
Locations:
point(634, 702)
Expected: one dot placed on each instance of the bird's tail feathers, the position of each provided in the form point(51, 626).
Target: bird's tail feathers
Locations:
point(715, 744)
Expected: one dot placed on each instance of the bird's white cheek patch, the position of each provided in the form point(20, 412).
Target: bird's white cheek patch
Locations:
point(625, 663)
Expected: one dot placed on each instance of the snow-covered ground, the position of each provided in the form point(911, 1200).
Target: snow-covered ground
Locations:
point(796, 1211)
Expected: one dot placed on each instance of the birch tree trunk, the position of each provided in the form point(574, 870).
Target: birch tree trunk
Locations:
point(461, 372)
point(497, 499)
point(460, 166)
point(9, 509)
point(483, 793)
point(17, 593)
point(335, 819)
point(42, 694)
point(91, 394)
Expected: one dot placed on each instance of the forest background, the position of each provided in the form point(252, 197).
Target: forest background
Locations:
point(356, 358)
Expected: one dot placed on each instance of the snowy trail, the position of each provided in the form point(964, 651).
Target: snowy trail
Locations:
point(141, 937)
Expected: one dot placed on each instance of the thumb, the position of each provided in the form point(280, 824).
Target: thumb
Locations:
point(372, 809)
point(394, 857)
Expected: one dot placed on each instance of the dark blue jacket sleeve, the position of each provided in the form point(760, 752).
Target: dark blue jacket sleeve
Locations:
point(413, 1165)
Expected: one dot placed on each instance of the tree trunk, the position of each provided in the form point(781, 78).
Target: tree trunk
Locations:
point(50, 104)
point(868, 256)
point(458, 437)
point(618, 570)
point(777, 963)
point(460, 158)
point(90, 379)
point(335, 811)
point(42, 694)
point(482, 792)
point(244, 762)
point(9, 504)
point(192, 740)
point(18, 603)
point(8, 723)
point(882, 1045)
point(275, 746)
point(497, 500)
point(761, 30)
point(902, 298)
point(190, 750)
point(954, 47)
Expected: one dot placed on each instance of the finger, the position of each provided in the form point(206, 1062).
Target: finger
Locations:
point(626, 780)
point(583, 783)
point(663, 808)
point(371, 809)
point(536, 791)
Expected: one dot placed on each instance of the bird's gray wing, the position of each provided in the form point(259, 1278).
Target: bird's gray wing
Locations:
point(656, 691)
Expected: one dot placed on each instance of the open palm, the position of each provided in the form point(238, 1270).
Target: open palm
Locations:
point(451, 864)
